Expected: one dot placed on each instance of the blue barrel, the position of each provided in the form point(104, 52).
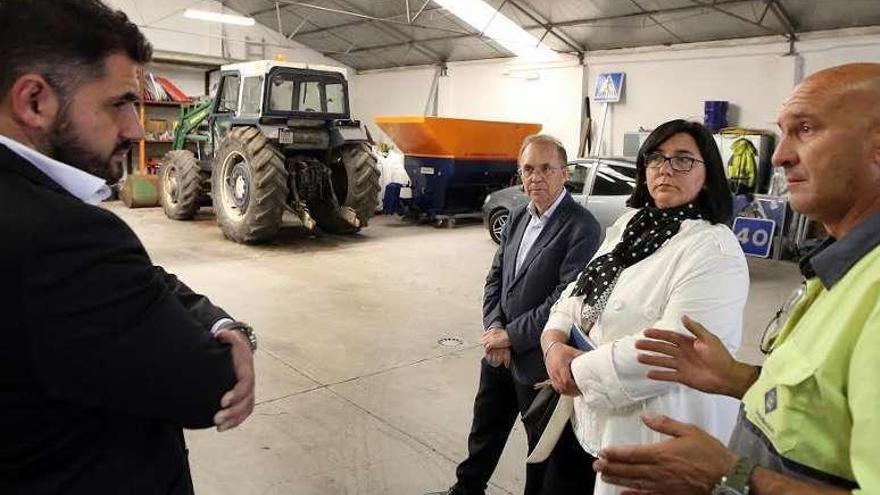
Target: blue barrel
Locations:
point(715, 115)
point(391, 200)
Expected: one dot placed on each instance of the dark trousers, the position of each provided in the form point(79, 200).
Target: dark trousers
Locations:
point(499, 400)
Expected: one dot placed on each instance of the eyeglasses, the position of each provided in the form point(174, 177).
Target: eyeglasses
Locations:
point(543, 170)
point(682, 164)
point(774, 326)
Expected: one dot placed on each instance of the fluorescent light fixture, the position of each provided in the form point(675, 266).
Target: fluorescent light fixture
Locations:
point(486, 19)
point(203, 15)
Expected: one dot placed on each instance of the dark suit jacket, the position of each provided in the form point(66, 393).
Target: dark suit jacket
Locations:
point(521, 302)
point(104, 356)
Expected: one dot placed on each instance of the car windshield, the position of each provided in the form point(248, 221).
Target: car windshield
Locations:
point(614, 180)
point(577, 176)
point(611, 179)
point(299, 93)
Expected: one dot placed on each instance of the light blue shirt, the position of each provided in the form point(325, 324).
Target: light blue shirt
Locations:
point(534, 228)
point(79, 184)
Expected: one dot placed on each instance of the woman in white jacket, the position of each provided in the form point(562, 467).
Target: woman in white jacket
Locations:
point(674, 256)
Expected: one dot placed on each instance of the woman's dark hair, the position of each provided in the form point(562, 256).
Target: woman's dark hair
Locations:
point(65, 41)
point(714, 200)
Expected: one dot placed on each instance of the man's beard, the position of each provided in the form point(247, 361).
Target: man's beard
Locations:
point(67, 147)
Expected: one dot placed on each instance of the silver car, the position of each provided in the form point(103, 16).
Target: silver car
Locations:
point(602, 185)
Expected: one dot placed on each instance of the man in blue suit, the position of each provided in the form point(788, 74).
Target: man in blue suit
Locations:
point(543, 248)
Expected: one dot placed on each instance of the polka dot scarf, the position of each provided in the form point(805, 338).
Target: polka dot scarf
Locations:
point(645, 233)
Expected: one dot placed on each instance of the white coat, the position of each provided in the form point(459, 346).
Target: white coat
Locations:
point(700, 272)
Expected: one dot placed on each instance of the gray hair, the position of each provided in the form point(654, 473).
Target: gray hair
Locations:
point(547, 140)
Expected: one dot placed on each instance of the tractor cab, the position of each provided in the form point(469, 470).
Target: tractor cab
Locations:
point(280, 136)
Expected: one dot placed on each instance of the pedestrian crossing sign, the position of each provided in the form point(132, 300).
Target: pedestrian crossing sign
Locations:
point(609, 86)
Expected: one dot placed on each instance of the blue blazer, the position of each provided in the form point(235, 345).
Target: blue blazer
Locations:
point(521, 302)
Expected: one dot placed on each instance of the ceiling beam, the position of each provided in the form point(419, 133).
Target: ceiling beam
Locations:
point(334, 27)
point(349, 24)
point(489, 42)
point(658, 23)
point(397, 45)
point(550, 29)
point(634, 15)
point(262, 11)
point(278, 15)
point(387, 29)
point(306, 20)
point(422, 10)
point(570, 23)
point(295, 31)
point(365, 17)
point(266, 10)
point(783, 18)
point(714, 6)
point(560, 24)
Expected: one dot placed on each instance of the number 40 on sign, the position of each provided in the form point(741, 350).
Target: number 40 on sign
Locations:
point(755, 235)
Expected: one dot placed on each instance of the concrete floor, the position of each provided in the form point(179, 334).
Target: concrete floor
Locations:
point(355, 394)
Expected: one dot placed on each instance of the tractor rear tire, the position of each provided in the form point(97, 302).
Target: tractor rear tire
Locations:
point(249, 186)
point(356, 185)
point(181, 185)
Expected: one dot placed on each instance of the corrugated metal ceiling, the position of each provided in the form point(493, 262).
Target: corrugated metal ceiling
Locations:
point(374, 34)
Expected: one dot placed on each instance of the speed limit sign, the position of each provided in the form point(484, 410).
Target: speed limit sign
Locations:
point(755, 235)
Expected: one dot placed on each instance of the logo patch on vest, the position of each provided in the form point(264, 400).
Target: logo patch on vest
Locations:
point(770, 401)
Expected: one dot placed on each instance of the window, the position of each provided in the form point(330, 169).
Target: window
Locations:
point(229, 87)
point(251, 96)
point(309, 96)
point(577, 177)
point(281, 97)
point(335, 98)
point(299, 92)
point(629, 172)
point(614, 180)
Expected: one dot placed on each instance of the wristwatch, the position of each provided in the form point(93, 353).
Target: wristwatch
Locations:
point(736, 482)
point(244, 329)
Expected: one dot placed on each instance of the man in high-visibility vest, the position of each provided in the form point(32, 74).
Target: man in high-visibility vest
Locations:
point(810, 421)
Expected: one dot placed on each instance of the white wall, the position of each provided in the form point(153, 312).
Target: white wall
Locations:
point(754, 75)
point(165, 27)
point(548, 95)
point(662, 83)
point(667, 83)
point(828, 49)
point(398, 92)
point(488, 90)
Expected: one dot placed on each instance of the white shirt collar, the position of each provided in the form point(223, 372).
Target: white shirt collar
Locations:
point(547, 214)
point(82, 185)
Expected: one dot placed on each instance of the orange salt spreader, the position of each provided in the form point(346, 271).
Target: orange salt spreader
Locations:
point(453, 164)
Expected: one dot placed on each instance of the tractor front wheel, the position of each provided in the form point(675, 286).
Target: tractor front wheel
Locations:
point(249, 186)
point(181, 185)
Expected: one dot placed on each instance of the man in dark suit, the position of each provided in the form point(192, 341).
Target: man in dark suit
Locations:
point(543, 248)
point(105, 356)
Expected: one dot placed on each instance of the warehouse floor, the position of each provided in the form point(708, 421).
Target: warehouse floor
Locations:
point(355, 392)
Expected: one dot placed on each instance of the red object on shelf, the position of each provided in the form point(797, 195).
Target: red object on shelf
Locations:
point(152, 166)
point(173, 91)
